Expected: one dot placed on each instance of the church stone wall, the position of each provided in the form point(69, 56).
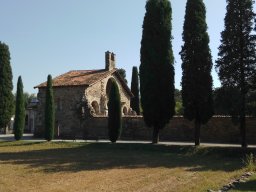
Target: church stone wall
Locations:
point(67, 100)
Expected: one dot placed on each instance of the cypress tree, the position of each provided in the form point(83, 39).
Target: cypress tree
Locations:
point(196, 67)
point(114, 113)
point(236, 62)
point(156, 69)
point(19, 121)
point(49, 111)
point(6, 86)
point(135, 101)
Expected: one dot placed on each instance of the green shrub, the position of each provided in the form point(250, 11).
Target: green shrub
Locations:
point(250, 162)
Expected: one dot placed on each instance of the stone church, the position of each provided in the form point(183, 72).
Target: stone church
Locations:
point(88, 88)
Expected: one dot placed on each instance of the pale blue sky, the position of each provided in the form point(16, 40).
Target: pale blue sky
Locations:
point(55, 36)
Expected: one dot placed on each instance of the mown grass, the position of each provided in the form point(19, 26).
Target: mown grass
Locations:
point(57, 167)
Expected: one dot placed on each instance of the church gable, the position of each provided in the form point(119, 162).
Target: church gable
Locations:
point(98, 94)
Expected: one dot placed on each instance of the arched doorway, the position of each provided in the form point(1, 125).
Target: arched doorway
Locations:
point(95, 106)
point(108, 87)
point(125, 111)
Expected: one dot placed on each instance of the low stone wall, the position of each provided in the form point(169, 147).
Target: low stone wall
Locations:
point(218, 130)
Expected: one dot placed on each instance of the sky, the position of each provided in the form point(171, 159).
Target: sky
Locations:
point(56, 36)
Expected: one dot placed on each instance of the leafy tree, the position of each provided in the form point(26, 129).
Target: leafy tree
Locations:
point(19, 120)
point(178, 102)
point(114, 113)
point(236, 63)
point(6, 86)
point(135, 101)
point(49, 111)
point(122, 72)
point(28, 98)
point(196, 67)
point(156, 69)
point(225, 101)
point(251, 103)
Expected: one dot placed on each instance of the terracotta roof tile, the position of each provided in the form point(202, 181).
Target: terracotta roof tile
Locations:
point(78, 78)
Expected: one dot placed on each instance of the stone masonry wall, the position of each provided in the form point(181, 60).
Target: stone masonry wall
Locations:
point(218, 130)
point(67, 101)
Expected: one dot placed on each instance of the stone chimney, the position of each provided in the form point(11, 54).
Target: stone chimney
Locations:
point(110, 61)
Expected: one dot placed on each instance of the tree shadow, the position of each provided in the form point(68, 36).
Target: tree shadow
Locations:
point(247, 186)
point(102, 156)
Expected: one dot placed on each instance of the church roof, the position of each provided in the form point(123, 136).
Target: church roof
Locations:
point(84, 78)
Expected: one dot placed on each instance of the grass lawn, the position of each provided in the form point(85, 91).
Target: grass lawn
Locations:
point(64, 167)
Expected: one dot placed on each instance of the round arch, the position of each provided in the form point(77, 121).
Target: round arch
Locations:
point(96, 107)
point(108, 86)
point(125, 111)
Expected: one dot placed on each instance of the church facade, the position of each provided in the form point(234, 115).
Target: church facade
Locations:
point(81, 95)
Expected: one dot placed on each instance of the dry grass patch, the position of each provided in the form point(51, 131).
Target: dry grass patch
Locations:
point(59, 167)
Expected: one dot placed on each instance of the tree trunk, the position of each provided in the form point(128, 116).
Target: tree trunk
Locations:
point(242, 123)
point(197, 132)
point(155, 138)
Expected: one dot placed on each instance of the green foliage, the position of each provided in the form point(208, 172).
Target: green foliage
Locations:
point(251, 103)
point(236, 64)
point(49, 111)
point(122, 72)
point(135, 101)
point(19, 121)
point(114, 113)
point(196, 64)
point(250, 162)
point(226, 101)
point(196, 67)
point(179, 108)
point(156, 69)
point(28, 98)
point(177, 95)
point(178, 102)
point(6, 86)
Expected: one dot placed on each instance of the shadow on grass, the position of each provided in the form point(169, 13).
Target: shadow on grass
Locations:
point(72, 157)
point(247, 186)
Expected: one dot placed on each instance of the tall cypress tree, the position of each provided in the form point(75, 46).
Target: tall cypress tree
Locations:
point(114, 113)
point(236, 63)
point(6, 86)
point(196, 67)
point(156, 69)
point(19, 121)
point(135, 101)
point(49, 111)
